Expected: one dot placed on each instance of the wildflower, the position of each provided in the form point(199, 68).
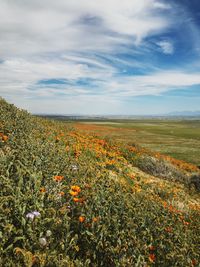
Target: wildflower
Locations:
point(32, 215)
point(73, 193)
point(76, 188)
point(74, 167)
point(43, 241)
point(152, 257)
point(48, 233)
point(57, 138)
point(80, 200)
point(194, 262)
point(95, 219)
point(62, 193)
point(5, 138)
point(76, 199)
point(18, 250)
point(81, 219)
point(34, 259)
point(168, 229)
point(58, 178)
point(151, 248)
point(42, 190)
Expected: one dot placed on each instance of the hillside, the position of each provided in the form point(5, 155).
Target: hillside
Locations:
point(69, 198)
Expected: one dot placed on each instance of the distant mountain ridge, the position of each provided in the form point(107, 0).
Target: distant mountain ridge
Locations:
point(185, 113)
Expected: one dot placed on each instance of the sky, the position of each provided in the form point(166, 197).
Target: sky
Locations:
point(130, 57)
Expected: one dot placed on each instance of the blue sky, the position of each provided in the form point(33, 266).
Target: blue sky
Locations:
point(100, 57)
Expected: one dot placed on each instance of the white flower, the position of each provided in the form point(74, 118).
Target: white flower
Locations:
point(30, 215)
point(43, 241)
point(74, 167)
point(48, 233)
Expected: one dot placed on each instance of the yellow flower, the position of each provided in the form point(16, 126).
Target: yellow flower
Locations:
point(76, 188)
point(73, 193)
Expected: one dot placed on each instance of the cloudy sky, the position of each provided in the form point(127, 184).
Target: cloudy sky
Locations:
point(100, 57)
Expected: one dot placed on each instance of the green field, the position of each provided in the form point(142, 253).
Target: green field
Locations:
point(176, 138)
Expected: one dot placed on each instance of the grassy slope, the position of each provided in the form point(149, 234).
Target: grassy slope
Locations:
point(179, 139)
point(116, 216)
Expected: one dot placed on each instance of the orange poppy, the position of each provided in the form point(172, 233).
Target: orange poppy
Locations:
point(58, 178)
point(152, 257)
point(152, 248)
point(76, 188)
point(81, 219)
point(5, 138)
point(73, 193)
point(79, 200)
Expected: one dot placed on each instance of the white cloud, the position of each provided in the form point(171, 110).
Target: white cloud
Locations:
point(70, 39)
point(166, 46)
point(32, 27)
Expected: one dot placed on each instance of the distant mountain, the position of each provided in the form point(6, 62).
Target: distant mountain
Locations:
point(185, 113)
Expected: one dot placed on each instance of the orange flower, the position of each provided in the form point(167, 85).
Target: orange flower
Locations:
point(62, 193)
point(79, 200)
point(5, 138)
point(194, 262)
point(76, 199)
point(34, 259)
point(81, 219)
point(168, 229)
point(73, 193)
point(76, 188)
point(58, 178)
point(152, 248)
point(95, 219)
point(152, 257)
point(42, 190)
point(186, 223)
point(165, 204)
point(57, 138)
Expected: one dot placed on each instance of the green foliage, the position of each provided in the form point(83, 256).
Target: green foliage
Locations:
point(111, 218)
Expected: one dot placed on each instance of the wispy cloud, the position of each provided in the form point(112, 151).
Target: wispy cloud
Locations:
point(89, 52)
point(166, 47)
